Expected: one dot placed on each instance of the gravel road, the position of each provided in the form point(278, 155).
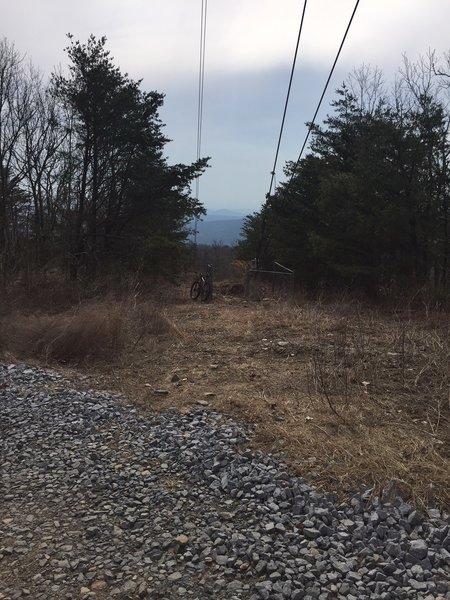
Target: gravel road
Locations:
point(99, 502)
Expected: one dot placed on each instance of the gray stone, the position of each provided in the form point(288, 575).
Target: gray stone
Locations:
point(104, 493)
point(261, 567)
point(415, 518)
point(419, 586)
point(311, 533)
point(418, 549)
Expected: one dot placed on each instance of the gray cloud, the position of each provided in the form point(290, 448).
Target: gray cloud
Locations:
point(249, 51)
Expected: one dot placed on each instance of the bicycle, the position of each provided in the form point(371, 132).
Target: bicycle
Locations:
point(202, 286)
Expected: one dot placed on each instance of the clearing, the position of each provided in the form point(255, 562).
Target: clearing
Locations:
point(348, 396)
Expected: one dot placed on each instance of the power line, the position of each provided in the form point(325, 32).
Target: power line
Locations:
point(201, 81)
point(273, 172)
point(201, 87)
point(287, 98)
point(311, 125)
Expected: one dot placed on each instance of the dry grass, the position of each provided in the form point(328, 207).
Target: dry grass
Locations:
point(347, 396)
point(90, 333)
point(362, 400)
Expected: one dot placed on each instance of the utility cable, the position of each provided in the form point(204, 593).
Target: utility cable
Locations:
point(312, 123)
point(201, 87)
point(273, 172)
point(201, 77)
point(287, 98)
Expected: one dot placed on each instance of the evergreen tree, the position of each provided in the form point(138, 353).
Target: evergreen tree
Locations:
point(118, 174)
point(368, 206)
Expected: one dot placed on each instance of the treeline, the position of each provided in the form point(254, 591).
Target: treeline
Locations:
point(368, 206)
point(84, 183)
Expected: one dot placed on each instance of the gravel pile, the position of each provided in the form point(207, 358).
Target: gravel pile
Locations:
point(99, 502)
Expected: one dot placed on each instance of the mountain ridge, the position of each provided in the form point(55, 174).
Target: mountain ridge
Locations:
point(219, 226)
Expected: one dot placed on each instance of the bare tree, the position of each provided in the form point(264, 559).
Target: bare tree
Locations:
point(15, 110)
point(367, 86)
point(43, 137)
point(420, 78)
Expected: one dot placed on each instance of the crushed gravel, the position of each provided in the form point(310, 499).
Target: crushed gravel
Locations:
point(97, 501)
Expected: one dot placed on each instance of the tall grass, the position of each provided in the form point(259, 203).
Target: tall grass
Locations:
point(90, 332)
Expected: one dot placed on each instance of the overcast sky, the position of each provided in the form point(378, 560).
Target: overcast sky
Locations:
point(249, 51)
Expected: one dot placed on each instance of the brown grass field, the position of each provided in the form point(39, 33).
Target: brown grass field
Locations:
point(346, 395)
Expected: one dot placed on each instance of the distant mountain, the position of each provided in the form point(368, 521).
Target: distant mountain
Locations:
point(223, 214)
point(221, 226)
point(225, 232)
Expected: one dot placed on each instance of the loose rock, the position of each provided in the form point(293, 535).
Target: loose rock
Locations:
point(94, 498)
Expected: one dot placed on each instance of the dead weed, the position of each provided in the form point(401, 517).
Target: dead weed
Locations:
point(88, 333)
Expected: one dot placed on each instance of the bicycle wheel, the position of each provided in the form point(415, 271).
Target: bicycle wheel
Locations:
point(206, 291)
point(196, 288)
